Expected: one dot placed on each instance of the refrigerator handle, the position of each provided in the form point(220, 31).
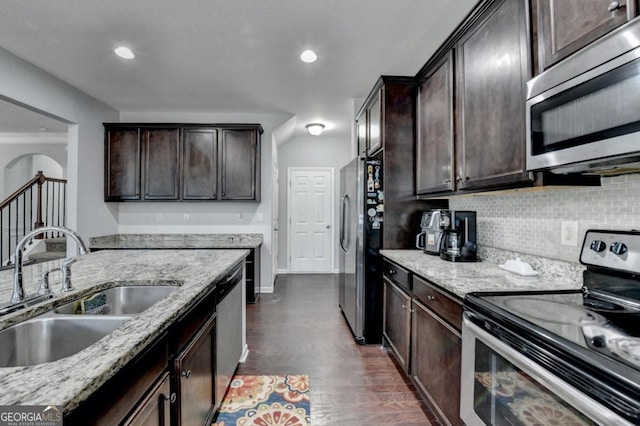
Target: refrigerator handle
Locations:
point(343, 221)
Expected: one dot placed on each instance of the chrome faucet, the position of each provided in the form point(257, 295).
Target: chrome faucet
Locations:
point(19, 295)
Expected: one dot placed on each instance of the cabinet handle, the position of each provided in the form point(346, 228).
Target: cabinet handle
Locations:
point(447, 181)
point(404, 306)
point(458, 179)
point(412, 310)
point(430, 297)
point(392, 271)
point(186, 374)
point(614, 5)
point(171, 398)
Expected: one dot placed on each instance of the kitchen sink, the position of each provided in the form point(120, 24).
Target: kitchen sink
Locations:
point(50, 338)
point(122, 300)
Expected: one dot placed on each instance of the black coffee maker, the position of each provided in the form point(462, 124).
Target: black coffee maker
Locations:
point(458, 241)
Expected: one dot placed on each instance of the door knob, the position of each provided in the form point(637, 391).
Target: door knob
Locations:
point(328, 226)
point(186, 374)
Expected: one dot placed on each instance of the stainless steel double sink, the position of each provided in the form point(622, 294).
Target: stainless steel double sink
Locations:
point(64, 331)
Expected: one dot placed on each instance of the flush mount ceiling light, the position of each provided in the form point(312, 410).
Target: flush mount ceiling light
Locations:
point(308, 56)
point(315, 129)
point(124, 52)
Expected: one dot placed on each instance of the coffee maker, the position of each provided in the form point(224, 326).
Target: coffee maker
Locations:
point(429, 238)
point(458, 241)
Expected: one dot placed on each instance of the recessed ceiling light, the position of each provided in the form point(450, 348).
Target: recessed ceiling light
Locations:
point(124, 52)
point(308, 56)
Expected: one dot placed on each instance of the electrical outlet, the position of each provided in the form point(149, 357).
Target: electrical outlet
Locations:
point(569, 233)
point(158, 217)
point(185, 216)
point(240, 216)
point(260, 217)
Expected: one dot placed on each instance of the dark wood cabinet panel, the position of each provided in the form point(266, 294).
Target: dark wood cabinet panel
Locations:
point(397, 322)
point(122, 164)
point(252, 276)
point(361, 130)
point(374, 125)
point(492, 70)
point(157, 161)
point(435, 299)
point(161, 153)
point(239, 164)
point(194, 379)
point(434, 139)
point(199, 164)
point(154, 410)
point(563, 27)
point(436, 362)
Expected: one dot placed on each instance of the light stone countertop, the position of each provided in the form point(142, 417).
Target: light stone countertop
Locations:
point(460, 278)
point(71, 380)
point(175, 241)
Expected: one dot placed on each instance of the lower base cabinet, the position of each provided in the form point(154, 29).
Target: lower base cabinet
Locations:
point(435, 362)
point(422, 328)
point(155, 408)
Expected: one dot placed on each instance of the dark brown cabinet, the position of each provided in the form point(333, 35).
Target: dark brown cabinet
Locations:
point(563, 27)
point(252, 275)
point(154, 410)
point(240, 164)
point(164, 162)
point(161, 161)
point(397, 322)
point(436, 350)
point(369, 124)
point(122, 164)
point(435, 121)
point(194, 378)
point(491, 74)
point(199, 164)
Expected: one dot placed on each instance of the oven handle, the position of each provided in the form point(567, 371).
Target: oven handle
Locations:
point(575, 398)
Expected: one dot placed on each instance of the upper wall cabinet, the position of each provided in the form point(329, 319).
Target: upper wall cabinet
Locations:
point(492, 71)
point(434, 139)
point(369, 124)
point(155, 162)
point(563, 27)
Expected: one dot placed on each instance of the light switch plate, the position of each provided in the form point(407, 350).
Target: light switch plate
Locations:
point(569, 233)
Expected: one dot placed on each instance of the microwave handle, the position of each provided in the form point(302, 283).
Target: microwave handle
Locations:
point(420, 240)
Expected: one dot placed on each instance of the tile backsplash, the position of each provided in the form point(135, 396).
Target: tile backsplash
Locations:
point(529, 222)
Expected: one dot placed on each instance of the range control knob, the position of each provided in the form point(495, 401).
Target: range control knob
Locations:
point(599, 341)
point(618, 248)
point(598, 246)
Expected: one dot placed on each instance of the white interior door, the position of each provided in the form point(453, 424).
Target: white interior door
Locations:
point(276, 217)
point(310, 219)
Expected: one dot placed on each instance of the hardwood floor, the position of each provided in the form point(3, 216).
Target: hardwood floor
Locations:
point(299, 329)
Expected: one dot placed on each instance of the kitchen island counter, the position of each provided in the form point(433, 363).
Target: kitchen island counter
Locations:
point(460, 278)
point(177, 241)
point(71, 380)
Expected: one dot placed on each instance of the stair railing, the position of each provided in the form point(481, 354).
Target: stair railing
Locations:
point(39, 202)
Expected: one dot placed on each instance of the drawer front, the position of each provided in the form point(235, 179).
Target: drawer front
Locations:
point(397, 274)
point(438, 301)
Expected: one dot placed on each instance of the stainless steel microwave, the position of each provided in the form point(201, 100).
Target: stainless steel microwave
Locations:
point(583, 114)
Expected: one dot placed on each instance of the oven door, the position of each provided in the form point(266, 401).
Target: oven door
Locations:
point(500, 386)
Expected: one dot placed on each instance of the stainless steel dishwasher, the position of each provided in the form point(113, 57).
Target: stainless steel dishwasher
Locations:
point(229, 331)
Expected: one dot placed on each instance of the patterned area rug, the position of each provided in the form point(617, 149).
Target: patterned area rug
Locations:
point(266, 401)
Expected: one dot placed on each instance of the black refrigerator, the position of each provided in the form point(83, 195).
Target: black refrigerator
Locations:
point(360, 240)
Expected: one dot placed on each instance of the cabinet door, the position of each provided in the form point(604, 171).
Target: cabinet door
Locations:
point(361, 129)
point(122, 164)
point(193, 372)
point(374, 125)
point(492, 70)
point(397, 322)
point(434, 151)
point(566, 26)
point(199, 164)
point(154, 409)
point(161, 150)
point(435, 362)
point(239, 165)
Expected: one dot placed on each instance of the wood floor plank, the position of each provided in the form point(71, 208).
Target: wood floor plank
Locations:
point(299, 329)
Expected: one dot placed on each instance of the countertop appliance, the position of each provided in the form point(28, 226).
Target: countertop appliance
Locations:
point(583, 114)
point(571, 354)
point(430, 232)
point(361, 222)
point(458, 239)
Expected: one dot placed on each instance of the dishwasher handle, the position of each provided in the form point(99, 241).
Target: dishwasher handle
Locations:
point(224, 287)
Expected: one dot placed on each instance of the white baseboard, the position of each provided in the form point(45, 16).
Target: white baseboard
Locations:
point(283, 271)
point(266, 289)
point(245, 354)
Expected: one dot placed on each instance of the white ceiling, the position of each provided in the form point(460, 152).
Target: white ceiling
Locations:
point(230, 55)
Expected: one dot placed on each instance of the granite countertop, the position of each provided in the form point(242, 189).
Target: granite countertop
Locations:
point(460, 278)
point(175, 241)
point(70, 380)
